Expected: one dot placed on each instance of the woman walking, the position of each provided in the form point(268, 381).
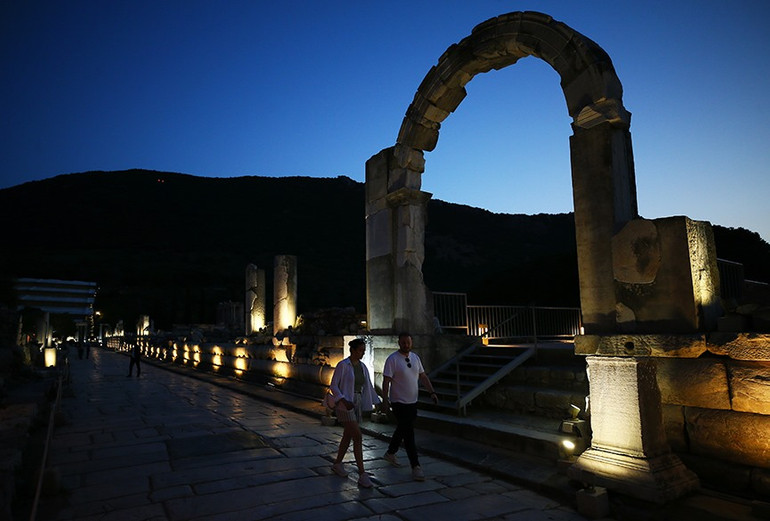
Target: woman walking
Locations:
point(353, 393)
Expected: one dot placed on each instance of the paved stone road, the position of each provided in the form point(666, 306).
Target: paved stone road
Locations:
point(168, 447)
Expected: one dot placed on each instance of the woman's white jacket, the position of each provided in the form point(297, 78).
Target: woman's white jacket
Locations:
point(343, 382)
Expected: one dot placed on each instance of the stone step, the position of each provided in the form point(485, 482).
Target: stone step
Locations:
point(517, 432)
point(533, 400)
point(572, 378)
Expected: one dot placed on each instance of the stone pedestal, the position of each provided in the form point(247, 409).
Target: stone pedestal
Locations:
point(629, 452)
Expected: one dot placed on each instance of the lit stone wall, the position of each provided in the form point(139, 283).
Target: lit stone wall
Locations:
point(715, 395)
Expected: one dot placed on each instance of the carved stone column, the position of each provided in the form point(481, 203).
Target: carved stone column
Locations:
point(629, 452)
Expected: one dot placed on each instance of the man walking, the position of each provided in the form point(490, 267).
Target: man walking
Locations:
point(135, 356)
point(402, 374)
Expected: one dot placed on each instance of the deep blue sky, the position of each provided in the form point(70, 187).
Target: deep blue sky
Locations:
point(232, 88)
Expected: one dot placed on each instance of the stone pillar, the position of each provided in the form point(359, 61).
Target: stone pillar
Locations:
point(629, 452)
point(396, 214)
point(284, 293)
point(255, 299)
point(143, 325)
point(604, 192)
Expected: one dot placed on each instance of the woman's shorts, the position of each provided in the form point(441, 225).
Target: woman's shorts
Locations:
point(353, 415)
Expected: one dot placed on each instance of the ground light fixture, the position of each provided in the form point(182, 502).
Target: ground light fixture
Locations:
point(575, 435)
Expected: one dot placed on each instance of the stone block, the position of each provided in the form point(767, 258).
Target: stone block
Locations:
point(760, 483)
point(659, 346)
point(673, 424)
point(594, 503)
point(376, 186)
point(733, 436)
point(666, 275)
point(520, 398)
point(750, 386)
point(403, 178)
point(719, 474)
point(409, 158)
point(740, 346)
point(562, 374)
point(553, 400)
point(537, 375)
point(693, 382)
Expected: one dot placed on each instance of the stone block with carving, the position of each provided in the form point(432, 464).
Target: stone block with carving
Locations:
point(666, 276)
point(750, 386)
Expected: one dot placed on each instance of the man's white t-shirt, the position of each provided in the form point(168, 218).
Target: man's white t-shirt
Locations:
point(404, 385)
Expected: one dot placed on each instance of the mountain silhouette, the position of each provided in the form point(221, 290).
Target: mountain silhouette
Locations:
point(173, 245)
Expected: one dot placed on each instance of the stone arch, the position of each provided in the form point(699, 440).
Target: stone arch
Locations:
point(591, 88)
point(604, 187)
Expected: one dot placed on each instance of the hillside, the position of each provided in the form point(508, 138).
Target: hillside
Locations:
point(174, 245)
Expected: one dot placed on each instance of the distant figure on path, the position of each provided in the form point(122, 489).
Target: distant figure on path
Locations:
point(401, 376)
point(136, 354)
point(354, 393)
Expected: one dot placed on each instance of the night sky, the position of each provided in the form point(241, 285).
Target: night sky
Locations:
point(313, 88)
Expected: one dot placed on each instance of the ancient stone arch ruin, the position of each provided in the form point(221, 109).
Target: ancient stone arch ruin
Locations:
point(637, 277)
point(602, 163)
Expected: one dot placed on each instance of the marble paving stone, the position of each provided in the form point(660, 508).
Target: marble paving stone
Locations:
point(251, 480)
point(164, 494)
point(128, 449)
point(395, 503)
point(108, 490)
point(121, 473)
point(463, 478)
point(213, 444)
point(411, 487)
point(333, 512)
point(489, 487)
point(456, 492)
point(242, 456)
point(532, 499)
point(331, 490)
point(219, 471)
point(472, 508)
point(543, 515)
point(305, 451)
point(109, 507)
point(109, 464)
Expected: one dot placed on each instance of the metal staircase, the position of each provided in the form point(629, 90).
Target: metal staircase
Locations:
point(472, 372)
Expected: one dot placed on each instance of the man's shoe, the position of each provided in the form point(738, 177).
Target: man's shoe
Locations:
point(391, 458)
point(364, 481)
point(418, 474)
point(339, 469)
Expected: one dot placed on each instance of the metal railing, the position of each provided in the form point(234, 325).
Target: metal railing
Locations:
point(505, 322)
point(451, 310)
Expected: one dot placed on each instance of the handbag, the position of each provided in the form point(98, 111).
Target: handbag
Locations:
point(328, 401)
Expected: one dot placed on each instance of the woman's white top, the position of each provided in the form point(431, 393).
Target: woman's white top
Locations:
point(343, 382)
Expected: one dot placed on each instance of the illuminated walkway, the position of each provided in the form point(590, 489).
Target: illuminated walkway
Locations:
point(184, 445)
point(167, 446)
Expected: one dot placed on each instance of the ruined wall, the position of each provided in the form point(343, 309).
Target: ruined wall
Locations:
point(716, 413)
point(715, 393)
